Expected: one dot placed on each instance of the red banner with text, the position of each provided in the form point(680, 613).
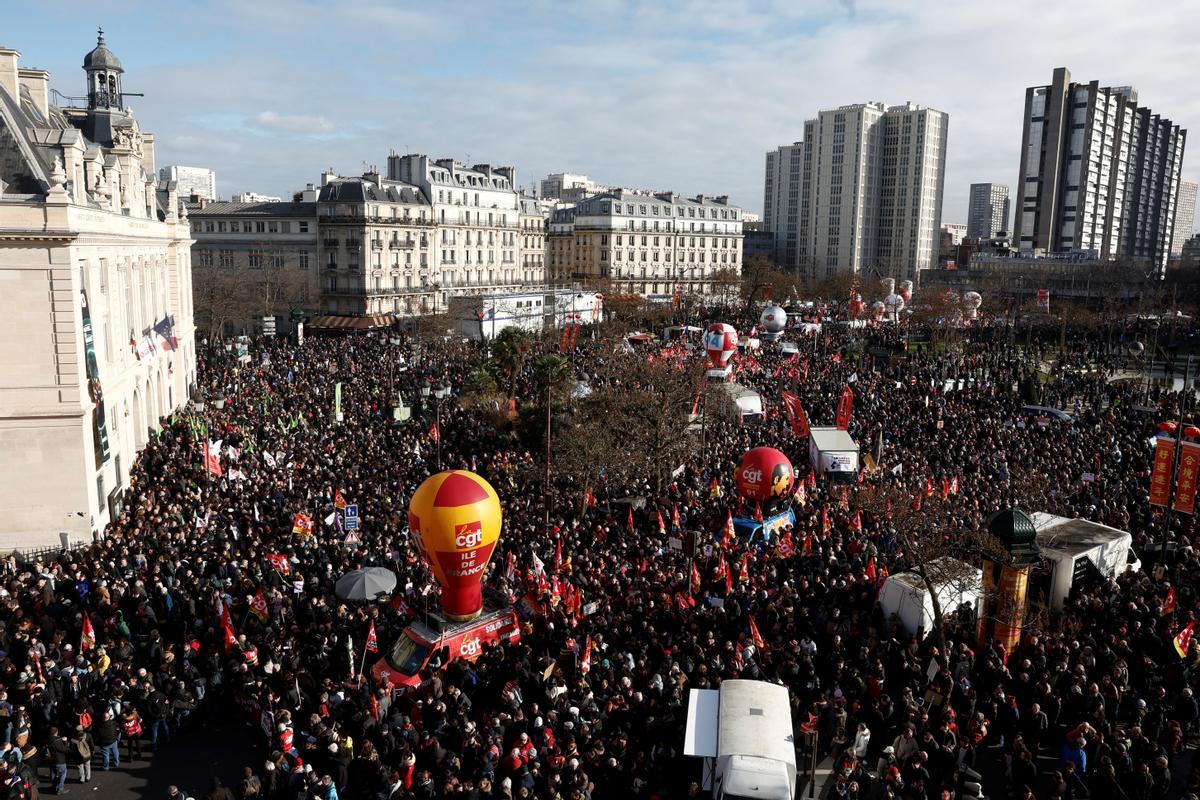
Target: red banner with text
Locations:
point(1185, 486)
point(1160, 476)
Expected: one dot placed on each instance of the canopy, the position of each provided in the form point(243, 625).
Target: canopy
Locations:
point(352, 323)
point(366, 584)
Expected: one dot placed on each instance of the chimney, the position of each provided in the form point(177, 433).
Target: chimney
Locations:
point(9, 80)
point(38, 83)
point(327, 176)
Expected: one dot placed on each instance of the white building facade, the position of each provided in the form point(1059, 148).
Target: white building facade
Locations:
point(1185, 217)
point(96, 333)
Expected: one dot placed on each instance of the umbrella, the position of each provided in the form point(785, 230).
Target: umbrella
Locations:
point(365, 584)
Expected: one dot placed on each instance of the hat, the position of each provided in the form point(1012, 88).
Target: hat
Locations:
point(889, 750)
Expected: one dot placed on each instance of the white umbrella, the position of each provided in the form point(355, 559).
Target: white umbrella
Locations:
point(366, 584)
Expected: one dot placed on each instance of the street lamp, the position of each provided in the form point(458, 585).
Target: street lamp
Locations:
point(440, 394)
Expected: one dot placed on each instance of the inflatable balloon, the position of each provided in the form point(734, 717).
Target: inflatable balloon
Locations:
point(906, 288)
point(889, 285)
point(971, 302)
point(765, 474)
point(720, 342)
point(894, 304)
point(773, 319)
point(455, 521)
point(856, 306)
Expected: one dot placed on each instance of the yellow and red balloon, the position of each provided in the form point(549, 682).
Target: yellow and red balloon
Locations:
point(455, 520)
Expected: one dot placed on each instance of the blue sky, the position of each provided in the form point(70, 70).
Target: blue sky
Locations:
point(662, 94)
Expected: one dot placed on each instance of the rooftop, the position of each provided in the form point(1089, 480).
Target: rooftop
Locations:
point(227, 209)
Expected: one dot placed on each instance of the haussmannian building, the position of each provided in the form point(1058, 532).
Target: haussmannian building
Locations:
point(1099, 173)
point(96, 333)
point(861, 193)
point(647, 244)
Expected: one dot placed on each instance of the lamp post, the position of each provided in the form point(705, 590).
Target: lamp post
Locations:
point(440, 394)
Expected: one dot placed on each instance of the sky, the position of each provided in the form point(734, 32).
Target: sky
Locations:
point(662, 94)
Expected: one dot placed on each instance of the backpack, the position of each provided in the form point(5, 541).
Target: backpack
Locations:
point(132, 727)
point(85, 719)
point(83, 749)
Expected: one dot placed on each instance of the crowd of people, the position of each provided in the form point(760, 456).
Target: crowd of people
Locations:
point(202, 605)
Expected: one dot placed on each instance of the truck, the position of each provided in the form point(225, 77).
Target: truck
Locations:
point(833, 454)
point(743, 731)
point(741, 403)
point(433, 636)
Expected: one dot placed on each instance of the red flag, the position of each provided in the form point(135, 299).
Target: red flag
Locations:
point(785, 548)
point(825, 526)
point(808, 544)
point(695, 578)
point(258, 605)
point(280, 562)
point(1168, 605)
point(801, 493)
point(230, 639)
point(374, 706)
point(845, 404)
point(434, 433)
point(756, 637)
point(871, 574)
point(954, 485)
point(585, 663)
point(795, 412)
point(589, 499)
point(674, 517)
point(1184, 639)
point(728, 533)
point(557, 550)
point(372, 645)
point(758, 515)
point(811, 479)
point(728, 582)
point(302, 524)
point(714, 489)
point(212, 458)
point(339, 501)
point(929, 489)
point(629, 523)
point(945, 488)
point(87, 637)
point(662, 528)
point(856, 524)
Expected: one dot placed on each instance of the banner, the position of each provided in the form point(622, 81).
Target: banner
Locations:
point(99, 429)
point(1160, 476)
point(1043, 299)
point(337, 400)
point(795, 413)
point(1185, 481)
point(302, 524)
point(845, 405)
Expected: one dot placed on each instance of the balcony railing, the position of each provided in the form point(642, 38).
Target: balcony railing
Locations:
point(377, 244)
point(401, 244)
point(331, 242)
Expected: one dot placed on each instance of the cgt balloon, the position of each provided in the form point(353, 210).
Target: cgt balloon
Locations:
point(720, 342)
point(455, 520)
point(765, 474)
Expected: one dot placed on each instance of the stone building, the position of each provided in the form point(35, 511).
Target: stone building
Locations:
point(96, 333)
point(641, 243)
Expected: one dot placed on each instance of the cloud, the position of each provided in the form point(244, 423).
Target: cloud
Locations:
point(292, 123)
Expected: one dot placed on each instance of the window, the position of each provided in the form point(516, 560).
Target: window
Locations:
point(260, 227)
point(221, 226)
point(256, 260)
point(285, 227)
point(302, 260)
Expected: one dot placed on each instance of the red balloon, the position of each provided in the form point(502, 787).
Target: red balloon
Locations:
point(1168, 427)
point(765, 474)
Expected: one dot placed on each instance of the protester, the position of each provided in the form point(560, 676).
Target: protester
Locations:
point(206, 605)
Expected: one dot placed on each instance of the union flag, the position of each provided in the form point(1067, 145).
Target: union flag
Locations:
point(339, 500)
point(87, 637)
point(1169, 604)
point(1184, 639)
point(756, 637)
point(372, 642)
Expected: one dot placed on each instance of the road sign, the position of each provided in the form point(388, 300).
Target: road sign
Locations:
point(352, 517)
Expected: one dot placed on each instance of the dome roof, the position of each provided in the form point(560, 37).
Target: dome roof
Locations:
point(102, 57)
point(1016, 531)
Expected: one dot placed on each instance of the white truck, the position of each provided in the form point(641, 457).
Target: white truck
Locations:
point(743, 731)
point(833, 454)
point(741, 403)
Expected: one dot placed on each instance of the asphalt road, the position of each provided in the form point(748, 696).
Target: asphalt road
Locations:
point(190, 762)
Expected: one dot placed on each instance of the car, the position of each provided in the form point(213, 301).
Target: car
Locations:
point(432, 636)
point(1044, 414)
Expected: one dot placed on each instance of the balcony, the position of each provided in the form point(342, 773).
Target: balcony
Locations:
point(330, 242)
point(401, 244)
point(377, 244)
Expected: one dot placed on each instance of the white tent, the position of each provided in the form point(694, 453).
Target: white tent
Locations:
point(1076, 546)
point(905, 594)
